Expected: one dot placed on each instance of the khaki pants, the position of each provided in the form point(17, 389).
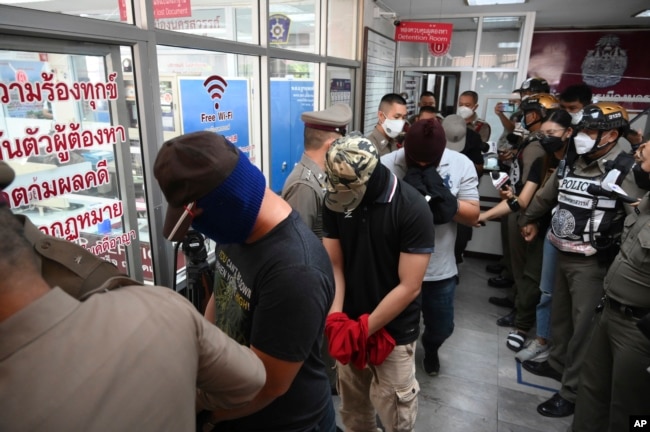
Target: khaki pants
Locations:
point(578, 289)
point(614, 382)
point(389, 390)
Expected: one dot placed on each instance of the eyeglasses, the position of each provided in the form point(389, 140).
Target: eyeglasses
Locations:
point(552, 132)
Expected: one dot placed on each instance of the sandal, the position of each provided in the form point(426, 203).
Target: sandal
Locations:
point(515, 340)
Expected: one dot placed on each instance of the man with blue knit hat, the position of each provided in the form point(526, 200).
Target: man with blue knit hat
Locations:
point(273, 286)
point(378, 232)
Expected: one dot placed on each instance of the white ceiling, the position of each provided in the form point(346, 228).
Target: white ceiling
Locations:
point(550, 13)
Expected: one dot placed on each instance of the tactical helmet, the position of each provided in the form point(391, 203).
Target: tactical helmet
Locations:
point(535, 85)
point(543, 103)
point(604, 116)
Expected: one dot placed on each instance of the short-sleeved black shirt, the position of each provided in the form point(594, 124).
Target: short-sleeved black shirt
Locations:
point(274, 294)
point(473, 146)
point(372, 238)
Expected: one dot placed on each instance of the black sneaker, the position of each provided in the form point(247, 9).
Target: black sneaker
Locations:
point(431, 363)
point(494, 268)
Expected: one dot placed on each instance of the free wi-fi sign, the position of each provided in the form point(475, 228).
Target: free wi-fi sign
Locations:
point(216, 87)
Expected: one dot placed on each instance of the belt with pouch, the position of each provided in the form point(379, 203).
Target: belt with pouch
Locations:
point(626, 310)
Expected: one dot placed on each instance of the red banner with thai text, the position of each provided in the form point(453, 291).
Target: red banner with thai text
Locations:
point(171, 9)
point(437, 35)
point(424, 32)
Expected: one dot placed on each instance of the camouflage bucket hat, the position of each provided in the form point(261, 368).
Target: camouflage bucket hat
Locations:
point(349, 163)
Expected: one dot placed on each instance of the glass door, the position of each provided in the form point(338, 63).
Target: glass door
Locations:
point(65, 130)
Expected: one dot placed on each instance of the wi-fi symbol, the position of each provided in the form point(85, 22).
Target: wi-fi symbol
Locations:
point(216, 86)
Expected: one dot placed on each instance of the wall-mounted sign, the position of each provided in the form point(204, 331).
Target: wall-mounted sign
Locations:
point(279, 28)
point(437, 35)
point(171, 8)
point(613, 63)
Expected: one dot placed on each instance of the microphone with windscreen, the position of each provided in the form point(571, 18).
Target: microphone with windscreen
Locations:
point(500, 180)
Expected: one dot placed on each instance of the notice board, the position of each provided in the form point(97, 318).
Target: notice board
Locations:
point(378, 74)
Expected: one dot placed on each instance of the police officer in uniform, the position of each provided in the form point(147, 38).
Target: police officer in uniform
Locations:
point(614, 382)
point(305, 187)
point(585, 228)
point(525, 259)
point(391, 119)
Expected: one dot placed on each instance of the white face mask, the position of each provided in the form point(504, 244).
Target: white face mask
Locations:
point(584, 143)
point(393, 127)
point(576, 117)
point(465, 112)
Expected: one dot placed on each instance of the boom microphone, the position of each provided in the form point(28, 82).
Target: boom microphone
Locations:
point(596, 190)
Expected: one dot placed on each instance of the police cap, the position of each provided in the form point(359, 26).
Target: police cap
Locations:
point(334, 119)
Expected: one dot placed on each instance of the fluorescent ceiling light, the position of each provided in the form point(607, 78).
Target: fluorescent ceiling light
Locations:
point(509, 45)
point(20, 1)
point(642, 14)
point(492, 2)
point(498, 19)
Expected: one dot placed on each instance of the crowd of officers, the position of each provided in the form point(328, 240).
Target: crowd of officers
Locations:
point(335, 277)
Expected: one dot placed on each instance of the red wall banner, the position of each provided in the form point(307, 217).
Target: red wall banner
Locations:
point(425, 32)
point(171, 9)
point(614, 64)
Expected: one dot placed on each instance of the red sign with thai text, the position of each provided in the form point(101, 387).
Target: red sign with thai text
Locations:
point(424, 32)
point(171, 9)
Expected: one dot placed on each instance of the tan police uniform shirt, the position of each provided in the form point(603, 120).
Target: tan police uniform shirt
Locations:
point(305, 190)
point(384, 145)
point(130, 359)
point(628, 278)
point(71, 267)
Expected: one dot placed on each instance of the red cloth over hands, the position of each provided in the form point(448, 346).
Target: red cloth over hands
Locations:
point(380, 345)
point(347, 338)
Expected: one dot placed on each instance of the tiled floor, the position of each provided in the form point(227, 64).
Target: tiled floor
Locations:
point(481, 388)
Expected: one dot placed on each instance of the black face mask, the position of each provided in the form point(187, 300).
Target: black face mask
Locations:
point(551, 144)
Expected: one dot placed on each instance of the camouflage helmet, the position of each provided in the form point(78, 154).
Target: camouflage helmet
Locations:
point(349, 163)
point(534, 85)
point(543, 103)
point(604, 116)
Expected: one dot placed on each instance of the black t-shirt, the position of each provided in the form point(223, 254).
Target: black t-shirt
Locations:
point(274, 294)
point(372, 238)
point(473, 147)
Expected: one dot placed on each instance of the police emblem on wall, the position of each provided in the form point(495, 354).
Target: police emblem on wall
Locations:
point(604, 66)
point(279, 29)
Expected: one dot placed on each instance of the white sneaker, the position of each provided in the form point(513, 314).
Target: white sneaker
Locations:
point(533, 351)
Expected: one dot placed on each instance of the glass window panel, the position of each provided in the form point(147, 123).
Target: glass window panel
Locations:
point(291, 94)
point(461, 52)
point(104, 10)
point(342, 29)
point(495, 82)
point(223, 19)
point(60, 134)
point(215, 91)
point(500, 42)
point(292, 25)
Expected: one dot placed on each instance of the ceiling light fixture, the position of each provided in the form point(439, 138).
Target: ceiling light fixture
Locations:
point(642, 14)
point(493, 2)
